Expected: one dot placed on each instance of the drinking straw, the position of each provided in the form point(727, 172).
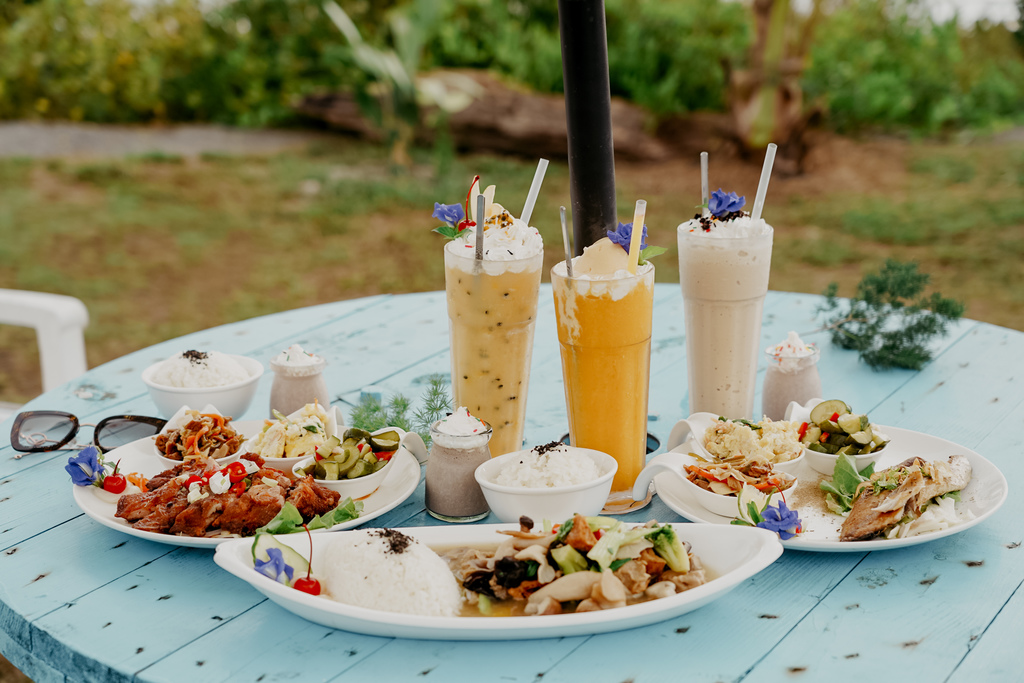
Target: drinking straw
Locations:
point(480, 227)
point(762, 187)
point(637, 235)
point(704, 196)
point(565, 241)
point(588, 119)
point(531, 198)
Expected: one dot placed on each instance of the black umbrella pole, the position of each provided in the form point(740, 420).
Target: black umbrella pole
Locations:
point(588, 117)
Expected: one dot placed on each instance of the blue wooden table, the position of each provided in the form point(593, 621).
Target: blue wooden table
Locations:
point(81, 601)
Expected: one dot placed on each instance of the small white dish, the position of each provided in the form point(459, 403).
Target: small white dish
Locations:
point(825, 463)
point(179, 420)
point(360, 487)
point(694, 428)
point(509, 503)
point(676, 463)
point(732, 555)
point(232, 400)
point(335, 426)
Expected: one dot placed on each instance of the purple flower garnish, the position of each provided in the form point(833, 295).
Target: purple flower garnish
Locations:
point(85, 468)
point(451, 214)
point(275, 568)
point(624, 233)
point(781, 520)
point(722, 204)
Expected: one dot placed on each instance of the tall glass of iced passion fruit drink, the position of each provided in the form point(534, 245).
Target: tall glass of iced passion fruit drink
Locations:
point(492, 312)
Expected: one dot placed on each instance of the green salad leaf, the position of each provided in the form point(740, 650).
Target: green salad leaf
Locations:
point(289, 521)
point(840, 489)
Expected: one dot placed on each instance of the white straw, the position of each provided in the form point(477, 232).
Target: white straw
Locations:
point(704, 196)
point(762, 187)
point(637, 235)
point(480, 201)
point(565, 241)
point(531, 198)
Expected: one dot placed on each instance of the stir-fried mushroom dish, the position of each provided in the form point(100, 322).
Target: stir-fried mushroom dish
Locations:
point(207, 435)
point(583, 565)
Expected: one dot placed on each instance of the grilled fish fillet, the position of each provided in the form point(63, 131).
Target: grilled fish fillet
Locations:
point(919, 481)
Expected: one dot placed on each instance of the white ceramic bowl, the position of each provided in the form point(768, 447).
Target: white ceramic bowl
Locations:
point(232, 400)
point(357, 488)
point(509, 503)
point(825, 463)
point(335, 426)
point(697, 424)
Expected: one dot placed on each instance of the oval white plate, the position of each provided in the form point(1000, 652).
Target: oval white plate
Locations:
point(733, 554)
point(138, 457)
point(982, 497)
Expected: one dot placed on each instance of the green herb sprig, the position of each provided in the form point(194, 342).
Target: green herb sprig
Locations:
point(890, 322)
point(371, 414)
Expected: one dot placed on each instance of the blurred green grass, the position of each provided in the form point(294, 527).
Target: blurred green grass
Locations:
point(161, 246)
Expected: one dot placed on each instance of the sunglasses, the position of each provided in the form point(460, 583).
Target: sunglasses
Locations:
point(38, 431)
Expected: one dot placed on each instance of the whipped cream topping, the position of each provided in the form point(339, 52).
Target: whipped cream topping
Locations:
point(743, 226)
point(296, 356)
point(792, 353)
point(461, 430)
point(505, 238)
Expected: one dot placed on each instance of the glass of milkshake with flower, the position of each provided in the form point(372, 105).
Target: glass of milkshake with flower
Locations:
point(492, 312)
point(725, 258)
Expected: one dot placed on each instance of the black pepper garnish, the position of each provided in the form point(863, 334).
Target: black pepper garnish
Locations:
point(195, 357)
point(541, 450)
point(396, 541)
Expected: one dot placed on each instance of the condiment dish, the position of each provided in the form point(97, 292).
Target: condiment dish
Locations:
point(696, 426)
point(231, 400)
point(825, 463)
point(335, 426)
point(360, 487)
point(676, 463)
point(509, 503)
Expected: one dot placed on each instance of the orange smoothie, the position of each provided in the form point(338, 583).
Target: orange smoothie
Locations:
point(604, 331)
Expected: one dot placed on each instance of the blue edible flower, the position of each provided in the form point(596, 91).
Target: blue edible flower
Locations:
point(85, 468)
point(722, 204)
point(275, 568)
point(781, 520)
point(624, 233)
point(451, 214)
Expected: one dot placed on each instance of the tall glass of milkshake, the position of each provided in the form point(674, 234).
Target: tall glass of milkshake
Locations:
point(492, 312)
point(604, 333)
point(724, 264)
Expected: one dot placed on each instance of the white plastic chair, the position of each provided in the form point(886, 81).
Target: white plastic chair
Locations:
point(59, 322)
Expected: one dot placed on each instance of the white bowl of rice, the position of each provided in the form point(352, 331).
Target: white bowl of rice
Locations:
point(226, 381)
point(551, 482)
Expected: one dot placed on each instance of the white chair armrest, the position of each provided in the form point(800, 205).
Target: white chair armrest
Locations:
point(59, 322)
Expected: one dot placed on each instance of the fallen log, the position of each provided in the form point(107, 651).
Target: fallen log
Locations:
point(497, 117)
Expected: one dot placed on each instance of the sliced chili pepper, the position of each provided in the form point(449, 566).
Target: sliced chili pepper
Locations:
point(239, 488)
point(235, 471)
point(193, 479)
point(385, 455)
point(598, 534)
point(835, 416)
point(824, 437)
point(803, 431)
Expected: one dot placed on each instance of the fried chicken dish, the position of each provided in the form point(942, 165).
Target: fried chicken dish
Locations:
point(199, 498)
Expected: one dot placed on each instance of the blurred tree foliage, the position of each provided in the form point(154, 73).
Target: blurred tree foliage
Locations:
point(874, 63)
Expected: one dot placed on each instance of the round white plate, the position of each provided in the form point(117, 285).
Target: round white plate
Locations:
point(982, 496)
point(140, 456)
point(732, 555)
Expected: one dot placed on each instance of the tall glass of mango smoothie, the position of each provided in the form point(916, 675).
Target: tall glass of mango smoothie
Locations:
point(604, 332)
point(492, 312)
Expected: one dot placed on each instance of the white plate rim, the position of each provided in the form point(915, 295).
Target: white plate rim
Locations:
point(757, 550)
point(986, 476)
point(140, 456)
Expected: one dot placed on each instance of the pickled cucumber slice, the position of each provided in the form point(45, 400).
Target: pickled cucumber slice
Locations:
point(387, 441)
point(357, 434)
point(360, 469)
point(824, 410)
point(849, 423)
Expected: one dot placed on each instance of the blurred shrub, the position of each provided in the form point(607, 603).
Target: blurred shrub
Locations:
point(666, 55)
point(874, 65)
point(110, 60)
